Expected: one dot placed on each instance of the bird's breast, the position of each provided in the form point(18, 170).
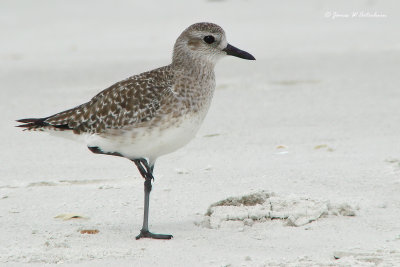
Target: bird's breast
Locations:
point(168, 135)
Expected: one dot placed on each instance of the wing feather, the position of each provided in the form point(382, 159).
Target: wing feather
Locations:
point(127, 102)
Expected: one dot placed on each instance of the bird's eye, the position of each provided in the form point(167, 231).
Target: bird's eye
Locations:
point(209, 39)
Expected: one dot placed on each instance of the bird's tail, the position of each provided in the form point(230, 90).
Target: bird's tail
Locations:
point(40, 124)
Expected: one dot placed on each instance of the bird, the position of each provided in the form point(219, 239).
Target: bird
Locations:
point(150, 114)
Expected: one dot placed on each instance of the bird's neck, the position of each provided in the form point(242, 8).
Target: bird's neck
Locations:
point(195, 68)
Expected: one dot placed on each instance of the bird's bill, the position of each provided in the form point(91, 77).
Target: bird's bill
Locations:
point(236, 52)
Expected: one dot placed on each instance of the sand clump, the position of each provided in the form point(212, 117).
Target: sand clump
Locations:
point(264, 206)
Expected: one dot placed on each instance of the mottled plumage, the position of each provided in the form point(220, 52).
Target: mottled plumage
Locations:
point(153, 113)
point(130, 102)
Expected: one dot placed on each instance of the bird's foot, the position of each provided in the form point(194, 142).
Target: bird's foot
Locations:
point(147, 234)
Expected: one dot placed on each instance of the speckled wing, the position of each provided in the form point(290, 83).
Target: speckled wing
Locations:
point(127, 102)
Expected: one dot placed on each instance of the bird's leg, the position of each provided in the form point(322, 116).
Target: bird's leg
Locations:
point(149, 169)
point(147, 173)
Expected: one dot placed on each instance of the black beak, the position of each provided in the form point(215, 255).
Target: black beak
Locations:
point(236, 52)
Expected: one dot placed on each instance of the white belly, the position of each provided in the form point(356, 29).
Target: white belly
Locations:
point(149, 143)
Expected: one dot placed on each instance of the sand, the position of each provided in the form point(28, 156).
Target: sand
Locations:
point(313, 123)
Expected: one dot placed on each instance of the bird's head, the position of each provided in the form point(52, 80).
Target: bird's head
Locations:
point(205, 42)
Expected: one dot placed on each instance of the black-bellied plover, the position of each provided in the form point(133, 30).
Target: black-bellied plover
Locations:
point(151, 114)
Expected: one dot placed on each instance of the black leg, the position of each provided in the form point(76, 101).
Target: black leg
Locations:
point(141, 169)
point(147, 173)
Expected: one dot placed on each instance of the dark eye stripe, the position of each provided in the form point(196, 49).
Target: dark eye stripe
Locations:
point(209, 39)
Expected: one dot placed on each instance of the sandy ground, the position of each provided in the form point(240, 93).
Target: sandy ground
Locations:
point(314, 122)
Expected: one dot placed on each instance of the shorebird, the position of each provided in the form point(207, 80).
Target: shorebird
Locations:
point(150, 114)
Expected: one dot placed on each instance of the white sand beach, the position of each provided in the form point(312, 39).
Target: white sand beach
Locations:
point(313, 123)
